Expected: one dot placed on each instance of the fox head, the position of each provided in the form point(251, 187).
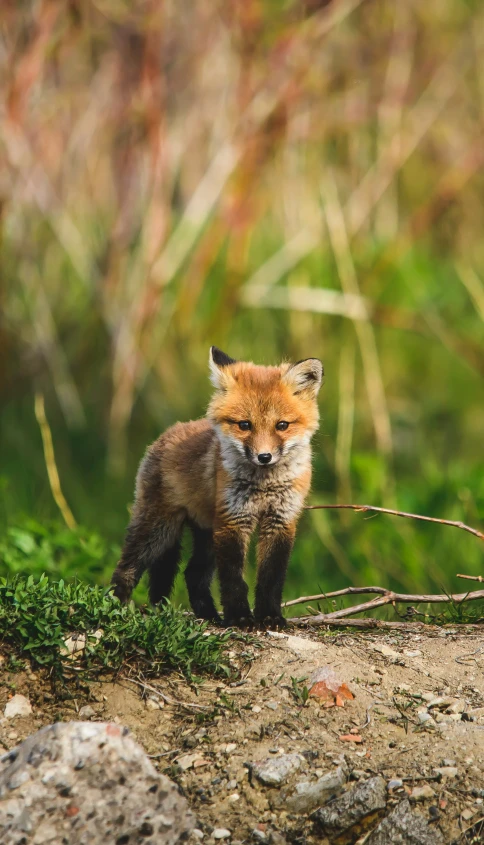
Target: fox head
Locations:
point(263, 414)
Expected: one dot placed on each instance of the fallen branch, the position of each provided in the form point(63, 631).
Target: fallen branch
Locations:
point(385, 597)
point(388, 597)
point(380, 624)
point(374, 509)
point(472, 577)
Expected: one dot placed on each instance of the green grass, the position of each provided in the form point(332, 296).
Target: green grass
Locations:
point(37, 615)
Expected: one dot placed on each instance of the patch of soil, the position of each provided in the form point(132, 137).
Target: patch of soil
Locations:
point(205, 736)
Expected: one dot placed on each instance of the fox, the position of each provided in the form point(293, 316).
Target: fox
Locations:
point(245, 466)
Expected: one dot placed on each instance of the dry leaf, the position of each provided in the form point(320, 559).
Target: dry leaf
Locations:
point(329, 689)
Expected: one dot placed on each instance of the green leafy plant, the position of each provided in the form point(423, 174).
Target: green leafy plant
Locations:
point(37, 616)
point(299, 691)
point(53, 549)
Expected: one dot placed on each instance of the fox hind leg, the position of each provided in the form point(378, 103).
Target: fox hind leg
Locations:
point(155, 547)
point(162, 573)
point(199, 573)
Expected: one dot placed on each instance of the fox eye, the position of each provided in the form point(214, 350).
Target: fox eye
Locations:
point(245, 425)
point(282, 425)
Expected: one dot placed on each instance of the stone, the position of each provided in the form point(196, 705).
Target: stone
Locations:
point(274, 771)
point(440, 703)
point(221, 833)
point(97, 784)
point(259, 835)
point(197, 833)
point(309, 795)
point(87, 712)
point(425, 719)
point(297, 644)
point(74, 645)
point(394, 783)
point(427, 696)
point(421, 793)
point(18, 705)
point(447, 772)
point(364, 799)
point(403, 826)
point(458, 706)
point(188, 761)
point(386, 650)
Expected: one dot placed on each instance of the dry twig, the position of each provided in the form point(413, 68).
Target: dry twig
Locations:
point(374, 509)
point(166, 698)
point(472, 577)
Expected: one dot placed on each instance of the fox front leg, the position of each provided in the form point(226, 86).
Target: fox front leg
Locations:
point(276, 540)
point(230, 546)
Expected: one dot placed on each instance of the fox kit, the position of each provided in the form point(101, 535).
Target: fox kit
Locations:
point(246, 465)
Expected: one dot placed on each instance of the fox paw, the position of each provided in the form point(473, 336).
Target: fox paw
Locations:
point(272, 623)
point(245, 622)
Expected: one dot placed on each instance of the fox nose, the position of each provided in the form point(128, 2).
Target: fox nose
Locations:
point(264, 458)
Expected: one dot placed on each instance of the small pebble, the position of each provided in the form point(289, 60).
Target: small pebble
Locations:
point(425, 718)
point(447, 772)
point(259, 835)
point(87, 712)
point(231, 746)
point(256, 708)
point(197, 833)
point(18, 705)
point(457, 707)
point(421, 793)
point(434, 812)
point(394, 783)
point(221, 833)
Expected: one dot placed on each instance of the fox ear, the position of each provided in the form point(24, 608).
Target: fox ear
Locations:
point(218, 361)
point(305, 376)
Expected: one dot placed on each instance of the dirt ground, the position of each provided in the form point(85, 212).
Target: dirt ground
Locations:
point(206, 737)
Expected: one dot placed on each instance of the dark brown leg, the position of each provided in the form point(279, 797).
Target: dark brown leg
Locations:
point(273, 552)
point(230, 546)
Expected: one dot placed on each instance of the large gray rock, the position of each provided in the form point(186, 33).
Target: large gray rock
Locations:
point(84, 783)
point(366, 798)
point(405, 827)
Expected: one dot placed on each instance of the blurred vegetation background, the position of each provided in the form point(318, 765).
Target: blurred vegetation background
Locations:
point(283, 178)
